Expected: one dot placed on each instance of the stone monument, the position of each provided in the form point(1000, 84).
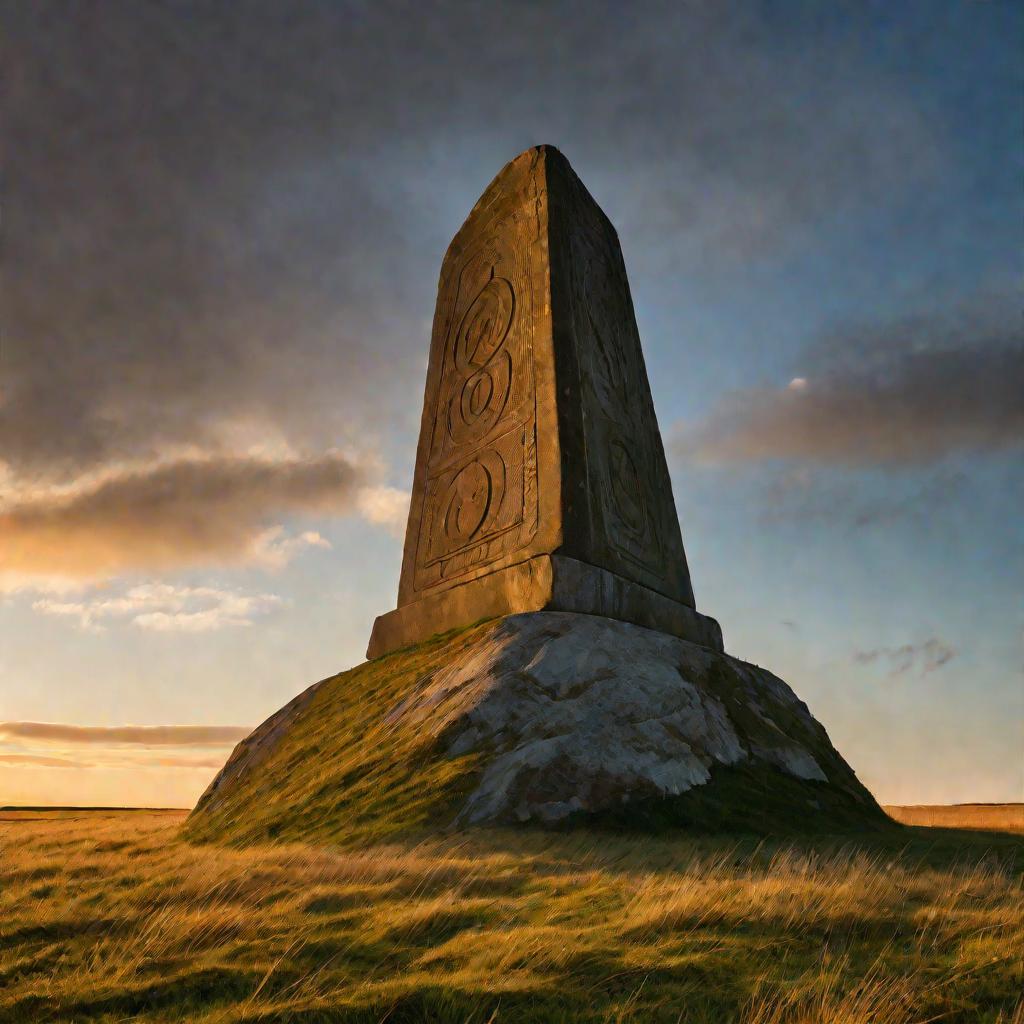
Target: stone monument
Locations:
point(542, 503)
point(541, 481)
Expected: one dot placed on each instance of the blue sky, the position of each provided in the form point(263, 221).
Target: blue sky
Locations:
point(223, 232)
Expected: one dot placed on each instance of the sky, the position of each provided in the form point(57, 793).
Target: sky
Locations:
point(222, 227)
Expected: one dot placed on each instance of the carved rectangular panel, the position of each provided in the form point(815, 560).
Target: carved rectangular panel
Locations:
point(479, 494)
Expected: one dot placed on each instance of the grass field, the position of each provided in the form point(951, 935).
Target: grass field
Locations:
point(109, 916)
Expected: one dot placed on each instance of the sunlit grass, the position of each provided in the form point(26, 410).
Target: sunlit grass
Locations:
point(109, 916)
point(987, 817)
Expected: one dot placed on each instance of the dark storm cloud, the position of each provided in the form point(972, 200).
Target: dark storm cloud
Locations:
point(224, 214)
point(167, 516)
point(144, 735)
point(184, 249)
point(908, 392)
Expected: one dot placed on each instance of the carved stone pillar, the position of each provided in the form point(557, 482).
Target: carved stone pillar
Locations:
point(541, 480)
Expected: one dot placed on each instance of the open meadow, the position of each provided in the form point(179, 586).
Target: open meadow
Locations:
point(984, 817)
point(109, 916)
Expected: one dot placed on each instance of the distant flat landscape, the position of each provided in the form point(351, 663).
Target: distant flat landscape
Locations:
point(986, 817)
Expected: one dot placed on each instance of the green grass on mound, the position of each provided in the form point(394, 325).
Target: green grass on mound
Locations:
point(338, 770)
point(342, 773)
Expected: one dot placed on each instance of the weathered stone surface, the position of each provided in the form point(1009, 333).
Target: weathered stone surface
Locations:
point(581, 713)
point(538, 434)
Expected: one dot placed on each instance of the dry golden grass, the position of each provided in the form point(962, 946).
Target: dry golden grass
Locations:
point(108, 916)
point(986, 817)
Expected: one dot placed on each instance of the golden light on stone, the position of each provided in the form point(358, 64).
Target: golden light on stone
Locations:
point(540, 481)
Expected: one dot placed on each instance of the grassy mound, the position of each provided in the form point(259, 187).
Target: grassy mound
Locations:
point(338, 765)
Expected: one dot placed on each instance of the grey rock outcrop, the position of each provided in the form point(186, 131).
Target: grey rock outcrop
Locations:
point(580, 713)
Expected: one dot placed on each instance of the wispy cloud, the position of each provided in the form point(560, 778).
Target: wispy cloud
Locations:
point(42, 761)
point(182, 761)
point(165, 516)
point(926, 657)
point(101, 749)
point(385, 506)
point(140, 735)
point(117, 758)
point(166, 608)
point(804, 494)
point(905, 393)
point(275, 548)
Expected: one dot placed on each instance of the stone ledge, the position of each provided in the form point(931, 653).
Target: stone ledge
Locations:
point(542, 583)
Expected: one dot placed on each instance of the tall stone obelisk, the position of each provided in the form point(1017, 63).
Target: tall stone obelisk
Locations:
point(541, 481)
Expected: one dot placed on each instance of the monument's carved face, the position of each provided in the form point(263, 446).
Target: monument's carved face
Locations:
point(479, 498)
point(621, 467)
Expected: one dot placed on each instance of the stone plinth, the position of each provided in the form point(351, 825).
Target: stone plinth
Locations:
point(542, 583)
point(541, 481)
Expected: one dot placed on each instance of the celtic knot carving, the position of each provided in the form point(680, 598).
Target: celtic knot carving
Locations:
point(485, 368)
point(480, 493)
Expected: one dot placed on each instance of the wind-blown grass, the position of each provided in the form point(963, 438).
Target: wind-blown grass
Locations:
point(112, 917)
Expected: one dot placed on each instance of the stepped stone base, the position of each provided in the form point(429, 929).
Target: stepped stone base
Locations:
point(543, 583)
